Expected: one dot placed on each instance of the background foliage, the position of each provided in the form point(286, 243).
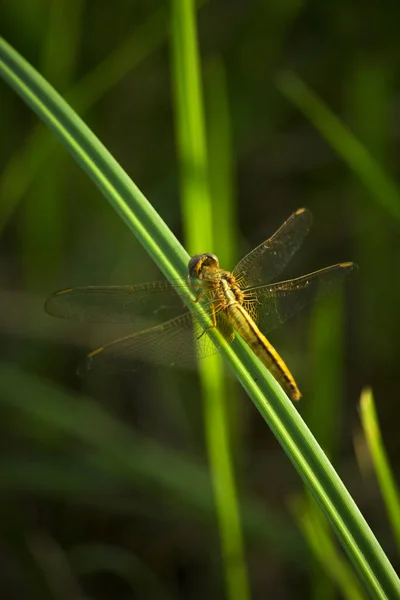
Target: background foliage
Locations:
point(77, 519)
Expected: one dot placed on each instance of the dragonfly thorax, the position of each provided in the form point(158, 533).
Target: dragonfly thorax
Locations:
point(220, 285)
point(230, 289)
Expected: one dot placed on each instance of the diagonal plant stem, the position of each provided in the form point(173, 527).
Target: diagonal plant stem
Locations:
point(357, 539)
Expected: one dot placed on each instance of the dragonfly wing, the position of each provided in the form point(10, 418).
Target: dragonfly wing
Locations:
point(266, 261)
point(178, 342)
point(154, 301)
point(273, 304)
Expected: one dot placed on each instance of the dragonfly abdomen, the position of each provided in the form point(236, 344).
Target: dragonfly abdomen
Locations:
point(262, 348)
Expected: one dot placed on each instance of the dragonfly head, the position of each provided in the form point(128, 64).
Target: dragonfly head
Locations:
point(200, 263)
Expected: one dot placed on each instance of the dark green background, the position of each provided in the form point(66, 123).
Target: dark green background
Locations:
point(86, 512)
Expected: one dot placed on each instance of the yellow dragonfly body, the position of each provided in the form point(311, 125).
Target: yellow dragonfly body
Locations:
point(239, 302)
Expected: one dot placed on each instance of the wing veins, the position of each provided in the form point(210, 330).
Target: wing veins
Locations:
point(273, 304)
point(267, 260)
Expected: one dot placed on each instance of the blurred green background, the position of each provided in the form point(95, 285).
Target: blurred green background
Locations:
point(105, 484)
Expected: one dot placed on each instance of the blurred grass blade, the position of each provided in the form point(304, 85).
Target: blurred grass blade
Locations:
point(296, 439)
point(323, 411)
point(44, 215)
point(326, 347)
point(52, 562)
point(318, 537)
point(226, 237)
point(112, 457)
point(23, 167)
point(13, 528)
point(343, 141)
point(221, 163)
point(369, 92)
point(384, 474)
point(94, 558)
point(190, 128)
point(197, 210)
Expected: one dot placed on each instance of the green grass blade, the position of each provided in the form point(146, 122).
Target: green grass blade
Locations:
point(216, 402)
point(384, 473)
point(343, 141)
point(190, 127)
point(296, 439)
point(319, 539)
point(326, 344)
point(221, 163)
point(197, 209)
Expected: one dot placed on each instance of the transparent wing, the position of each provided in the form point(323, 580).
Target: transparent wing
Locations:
point(155, 301)
point(178, 342)
point(266, 261)
point(271, 305)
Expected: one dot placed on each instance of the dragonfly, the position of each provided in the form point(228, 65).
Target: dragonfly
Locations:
point(241, 302)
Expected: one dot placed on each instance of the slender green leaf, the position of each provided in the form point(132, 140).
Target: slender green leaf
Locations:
point(384, 473)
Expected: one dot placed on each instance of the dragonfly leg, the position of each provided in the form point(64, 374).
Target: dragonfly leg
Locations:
point(214, 320)
point(197, 299)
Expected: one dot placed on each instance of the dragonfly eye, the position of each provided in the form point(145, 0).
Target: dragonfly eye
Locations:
point(199, 261)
